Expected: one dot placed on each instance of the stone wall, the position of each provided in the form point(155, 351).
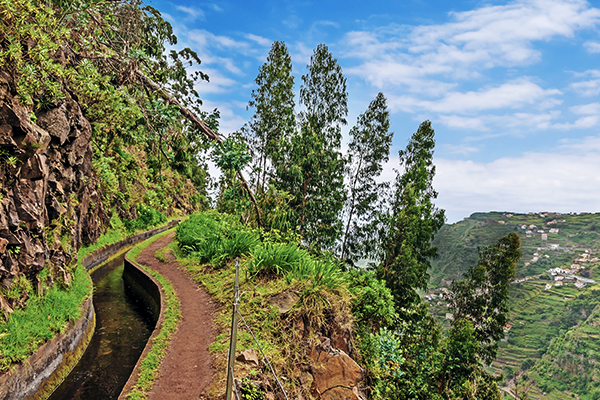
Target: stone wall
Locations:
point(151, 291)
point(102, 254)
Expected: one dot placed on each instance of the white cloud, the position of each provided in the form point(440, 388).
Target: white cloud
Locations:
point(259, 39)
point(587, 88)
point(215, 7)
point(455, 121)
point(565, 181)
point(592, 47)
point(586, 109)
point(503, 35)
point(512, 94)
point(460, 149)
point(483, 38)
point(218, 83)
point(205, 39)
point(192, 12)
point(582, 123)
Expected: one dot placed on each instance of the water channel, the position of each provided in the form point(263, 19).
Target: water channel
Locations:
point(123, 326)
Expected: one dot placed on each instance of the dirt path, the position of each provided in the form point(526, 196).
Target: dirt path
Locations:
point(186, 370)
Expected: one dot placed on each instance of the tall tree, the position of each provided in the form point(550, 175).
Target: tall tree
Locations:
point(482, 296)
point(368, 150)
point(314, 171)
point(480, 309)
point(413, 220)
point(274, 119)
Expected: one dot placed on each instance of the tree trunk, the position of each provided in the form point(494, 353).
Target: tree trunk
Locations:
point(351, 207)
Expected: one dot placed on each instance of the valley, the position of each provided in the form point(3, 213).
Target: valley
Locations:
point(551, 337)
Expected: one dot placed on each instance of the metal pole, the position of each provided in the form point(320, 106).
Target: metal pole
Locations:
point(234, 326)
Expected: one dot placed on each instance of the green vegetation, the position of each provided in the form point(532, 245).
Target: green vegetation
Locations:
point(147, 218)
point(149, 154)
point(148, 372)
point(402, 352)
point(269, 268)
point(546, 326)
point(457, 243)
point(100, 58)
point(45, 316)
point(367, 152)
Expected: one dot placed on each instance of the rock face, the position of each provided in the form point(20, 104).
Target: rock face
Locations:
point(49, 206)
point(336, 375)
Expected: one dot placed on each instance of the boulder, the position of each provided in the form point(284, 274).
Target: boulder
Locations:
point(284, 301)
point(335, 375)
point(249, 356)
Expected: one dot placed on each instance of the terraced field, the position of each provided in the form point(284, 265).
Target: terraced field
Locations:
point(554, 335)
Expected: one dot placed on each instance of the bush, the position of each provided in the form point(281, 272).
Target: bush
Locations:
point(214, 238)
point(383, 359)
point(373, 302)
point(147, 218)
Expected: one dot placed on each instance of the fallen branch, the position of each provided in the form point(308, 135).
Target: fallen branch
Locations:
point(204, 128)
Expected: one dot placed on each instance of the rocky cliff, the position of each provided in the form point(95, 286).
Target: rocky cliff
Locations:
point(49, 203)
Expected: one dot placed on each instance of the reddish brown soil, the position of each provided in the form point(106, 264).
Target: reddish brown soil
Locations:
point(186, 371)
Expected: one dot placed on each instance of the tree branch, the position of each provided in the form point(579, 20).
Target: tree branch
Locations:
point(204, 128)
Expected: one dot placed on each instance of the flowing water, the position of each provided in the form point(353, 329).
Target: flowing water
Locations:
point(123, 326)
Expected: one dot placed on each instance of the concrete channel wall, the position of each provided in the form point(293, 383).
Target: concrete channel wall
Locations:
point(38, 376)
point(150, 290)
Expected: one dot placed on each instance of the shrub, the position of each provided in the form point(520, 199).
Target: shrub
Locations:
point(373, 303)
point(213, 237)
point(198, 231)
point(147, 218)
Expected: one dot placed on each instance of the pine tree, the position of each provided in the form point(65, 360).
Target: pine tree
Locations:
point(413, 220)
point(368, 151)
point(274, 119)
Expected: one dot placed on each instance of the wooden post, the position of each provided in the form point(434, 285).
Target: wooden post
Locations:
point(234, 326)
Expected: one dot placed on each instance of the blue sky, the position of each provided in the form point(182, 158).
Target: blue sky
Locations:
point(511, 87)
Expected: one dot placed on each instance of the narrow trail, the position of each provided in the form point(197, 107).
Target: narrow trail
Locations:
point(186, 371)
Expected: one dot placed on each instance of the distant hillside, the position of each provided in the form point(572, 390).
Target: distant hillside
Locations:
point(570, 234)
point(553, 327)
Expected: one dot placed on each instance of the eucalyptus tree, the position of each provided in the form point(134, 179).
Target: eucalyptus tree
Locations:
point(480, 309)
point(368, 150)
point(314, 171)
point(413, 220)
point(482, 296)
point(273, 122)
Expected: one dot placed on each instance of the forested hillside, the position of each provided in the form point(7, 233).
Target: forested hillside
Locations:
point(101, 130)
point(549, 347)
